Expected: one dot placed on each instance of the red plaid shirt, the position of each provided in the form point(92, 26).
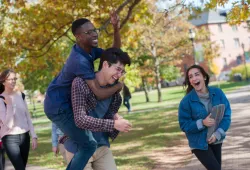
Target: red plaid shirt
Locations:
point(84, 101)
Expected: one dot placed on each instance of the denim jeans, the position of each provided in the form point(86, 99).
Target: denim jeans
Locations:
point(84, 138)
point(210, 158)
point(17, 148)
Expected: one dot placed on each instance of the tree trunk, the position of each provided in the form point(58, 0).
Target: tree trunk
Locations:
point(145, 88)
point(157, 71)
point(157, 79)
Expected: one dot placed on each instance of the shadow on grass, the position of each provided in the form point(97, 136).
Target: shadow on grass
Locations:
point(43, 155)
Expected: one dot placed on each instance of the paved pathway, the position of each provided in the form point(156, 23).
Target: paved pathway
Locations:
point(29, 167)
point(236, 147)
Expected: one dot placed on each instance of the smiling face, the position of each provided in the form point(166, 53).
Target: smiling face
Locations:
point(87, 35)
point(10, 82)
point(112, 72)
point(197, 80)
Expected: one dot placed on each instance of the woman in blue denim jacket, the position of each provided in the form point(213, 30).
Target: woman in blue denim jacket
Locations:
point(194, 117)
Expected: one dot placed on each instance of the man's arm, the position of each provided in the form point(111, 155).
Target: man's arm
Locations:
point(103, 93)
point(114, 19)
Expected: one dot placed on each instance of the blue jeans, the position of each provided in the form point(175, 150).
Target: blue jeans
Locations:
point(17, 148)
point(126, 103)
point(84, 138)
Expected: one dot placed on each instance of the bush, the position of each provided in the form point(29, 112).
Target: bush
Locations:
point(240, 70)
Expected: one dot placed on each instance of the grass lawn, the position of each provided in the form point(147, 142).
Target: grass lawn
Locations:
point(155, 126)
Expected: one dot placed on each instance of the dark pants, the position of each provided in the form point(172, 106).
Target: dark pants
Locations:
point(2, 159)
point(126, 103)
point(210, 158)
point(17, 148)
point(84, 138)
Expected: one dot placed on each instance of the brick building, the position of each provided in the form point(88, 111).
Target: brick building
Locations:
point(229, 38)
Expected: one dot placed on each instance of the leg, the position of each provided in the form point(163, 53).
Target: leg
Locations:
point(217, 152)
point(25, 147)
point(2, 159)
point(104, 159)
point(126, 103)
point(11, 144)
point(84, 139)
point(207, 158)
point(89, 164)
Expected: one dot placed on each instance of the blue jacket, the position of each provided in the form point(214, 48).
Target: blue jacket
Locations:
point(192, 112)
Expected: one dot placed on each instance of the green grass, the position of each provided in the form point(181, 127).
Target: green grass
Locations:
point(155, 127)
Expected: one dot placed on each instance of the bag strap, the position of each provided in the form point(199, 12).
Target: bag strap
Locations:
point(23, 96)
point(3, 100)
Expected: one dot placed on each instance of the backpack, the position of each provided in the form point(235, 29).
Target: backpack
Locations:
point(23, 96)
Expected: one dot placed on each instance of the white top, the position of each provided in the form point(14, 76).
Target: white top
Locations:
point(15, 118)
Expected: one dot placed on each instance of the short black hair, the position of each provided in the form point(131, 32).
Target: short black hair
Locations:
point(77, 24)
point(113, 56)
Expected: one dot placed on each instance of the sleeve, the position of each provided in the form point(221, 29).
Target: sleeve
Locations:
point(6, 114)
point(79, 103)
point(224, 125)
point(54, 135)
point(84, 68)
point(31, 127)
point(187, 124)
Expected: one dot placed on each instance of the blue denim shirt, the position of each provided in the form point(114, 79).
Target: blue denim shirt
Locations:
point(192, 112)
point(78, 64)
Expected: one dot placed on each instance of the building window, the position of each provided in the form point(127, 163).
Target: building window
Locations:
point(220, 27)
point(222, 44)
point(224, 62)
point(239, 61)
point(236, 43)
point(234, 28)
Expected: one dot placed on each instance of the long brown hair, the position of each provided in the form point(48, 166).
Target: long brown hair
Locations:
point(3, 76)
point(187, 82)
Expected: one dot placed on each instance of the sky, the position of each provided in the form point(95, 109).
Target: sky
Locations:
point(164, 4)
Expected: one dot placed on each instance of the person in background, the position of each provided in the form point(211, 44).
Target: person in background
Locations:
point(16, 124)
point(194, 117)
point(57, 147)
point(126, 97)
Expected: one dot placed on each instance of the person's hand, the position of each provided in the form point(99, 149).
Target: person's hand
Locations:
point(34, 143)
point(122, 125)
point(212, 139)
point(208, 121)
point(114, 20)
point(55, 150)
point(117, 116)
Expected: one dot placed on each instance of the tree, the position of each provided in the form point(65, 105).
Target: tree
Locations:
point(36, 36)
point(238, 12)
point(163, 38)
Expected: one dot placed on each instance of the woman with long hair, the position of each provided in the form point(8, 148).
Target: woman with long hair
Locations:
point(15, 121)
point(196, 120)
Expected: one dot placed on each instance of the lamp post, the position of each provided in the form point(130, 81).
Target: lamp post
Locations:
point(243, 48)
point(191, 37)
